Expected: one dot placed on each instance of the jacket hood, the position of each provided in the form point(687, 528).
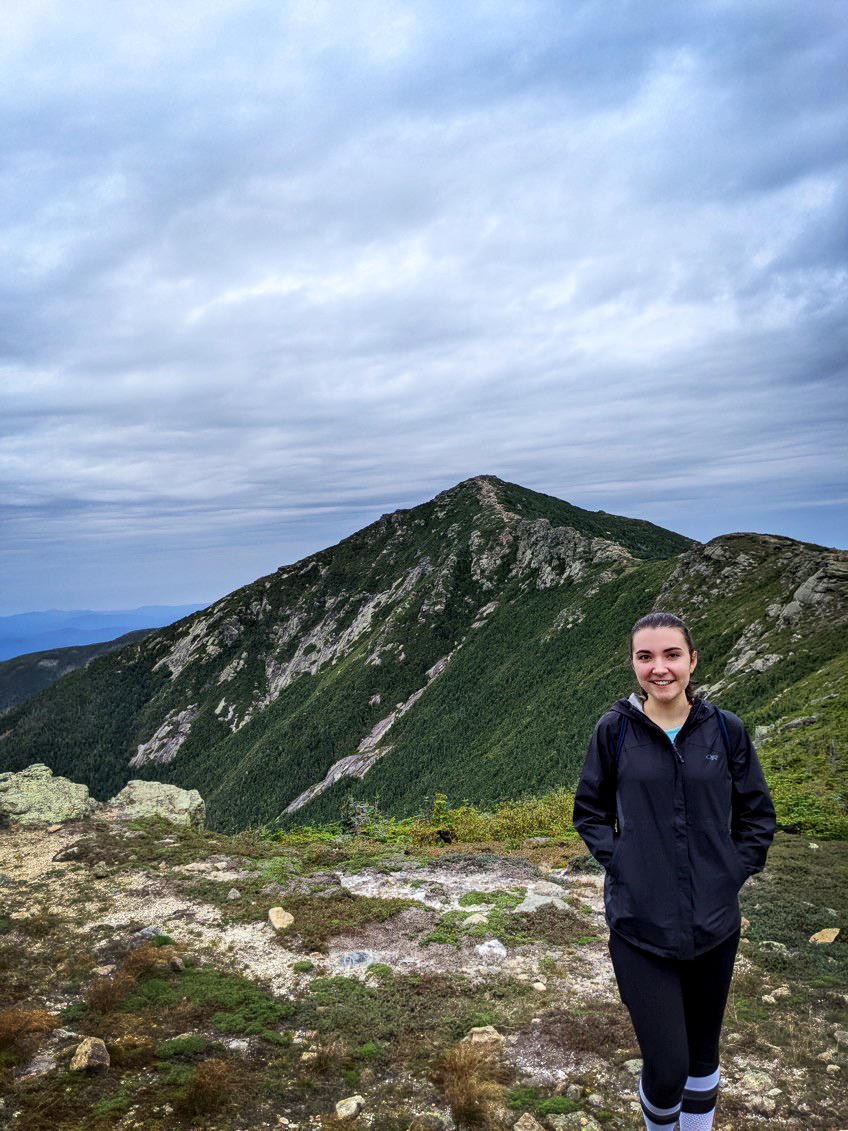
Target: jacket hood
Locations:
point(632, 707)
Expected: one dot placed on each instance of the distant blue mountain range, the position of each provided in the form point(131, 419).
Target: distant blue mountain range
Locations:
point(59, 628)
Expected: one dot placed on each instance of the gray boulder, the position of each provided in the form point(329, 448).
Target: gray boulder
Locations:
point(34, 796)
point(156, 799)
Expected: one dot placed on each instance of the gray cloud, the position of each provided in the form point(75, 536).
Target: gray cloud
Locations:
point(271, 269)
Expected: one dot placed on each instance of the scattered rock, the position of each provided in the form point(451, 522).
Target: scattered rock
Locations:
point(539, 987)
point(148, 933)
point(90, 1056)
point(746, 923)
point(356, 958)
point(238, 1046)
point(492, 949)
point(279, 918)
point(176, 963)
point(533, 900)
point(475, 919)
point(156, 799)
point(34, 796)
point(430, 1121)
point(40, 1065)
point(575, 1121)
point(833, 1069)
point(100, 871)
point(756, 1081)
point(634, 1067)
point(349, 1108)
point(840, 1036)
point(484, 1035)
point(233, 894)
point(825, 936)
point(525, 1123)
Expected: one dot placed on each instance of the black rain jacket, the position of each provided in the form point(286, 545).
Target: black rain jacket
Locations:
point(678, 827)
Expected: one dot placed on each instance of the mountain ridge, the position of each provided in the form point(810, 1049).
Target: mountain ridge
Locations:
point(464, 645)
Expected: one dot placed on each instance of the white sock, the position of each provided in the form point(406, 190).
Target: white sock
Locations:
point(657, 1118)
point(699, 1102)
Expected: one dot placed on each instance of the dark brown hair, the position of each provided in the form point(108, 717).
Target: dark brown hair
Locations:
point(663, 620)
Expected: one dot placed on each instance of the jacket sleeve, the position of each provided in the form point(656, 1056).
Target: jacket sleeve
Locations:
point(752, 822)
point(594, 799)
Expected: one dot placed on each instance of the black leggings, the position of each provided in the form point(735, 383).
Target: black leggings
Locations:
point(676, 1007)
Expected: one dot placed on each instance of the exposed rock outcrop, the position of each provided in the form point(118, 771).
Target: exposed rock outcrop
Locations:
point(34, 795)
point(155, 799)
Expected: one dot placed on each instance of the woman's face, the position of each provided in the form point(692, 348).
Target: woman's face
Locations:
point(663, 664)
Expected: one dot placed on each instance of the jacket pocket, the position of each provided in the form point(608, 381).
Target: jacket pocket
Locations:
point(740, 865)
point(611, 867)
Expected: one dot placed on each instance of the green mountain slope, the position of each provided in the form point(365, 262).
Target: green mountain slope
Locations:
point(22, 676)
point(464, 646)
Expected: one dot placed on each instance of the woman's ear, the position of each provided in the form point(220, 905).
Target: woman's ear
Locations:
point(693, 663)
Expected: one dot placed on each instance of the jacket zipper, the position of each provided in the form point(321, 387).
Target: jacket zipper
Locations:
point(695, 722)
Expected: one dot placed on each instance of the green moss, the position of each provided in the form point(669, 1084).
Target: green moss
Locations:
point(181, 1046)
point(316, 921)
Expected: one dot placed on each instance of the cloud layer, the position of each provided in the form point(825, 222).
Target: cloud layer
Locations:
point(272, 268)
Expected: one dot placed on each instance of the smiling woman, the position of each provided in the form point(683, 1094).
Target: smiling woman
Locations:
point(673, 803)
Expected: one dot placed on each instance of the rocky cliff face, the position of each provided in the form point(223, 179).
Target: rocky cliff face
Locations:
point(464, 646)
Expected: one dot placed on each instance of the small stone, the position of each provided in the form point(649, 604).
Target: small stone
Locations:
point(475, 919)
point(430, 1121)
point(90, 1056)
point(540, 987)
point(103, 971)
point(176, 963)
point(764, 1104)
point(525, 1123)
point(576, 1121)
point(827, 1055)
point(308, 1056)
point(238, 1046)
point(768, 999)
point(840, 1036)
point(493, 949)
point(279, 918)
point(825, 936)
point(100, 871)
point(833, 1069)
point(782, 991)
point(756, 1081)
point(350, 1107)
point(574, 1092)
point(233, 894)
point(746, 923)
point(162, 866)
point(634, 1067)
point(54, 828)
point(40, 1065)
point(149, 932)
point(595, 1100)
point(483, 1035)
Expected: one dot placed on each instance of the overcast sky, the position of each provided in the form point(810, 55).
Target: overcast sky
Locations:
point(273, 267)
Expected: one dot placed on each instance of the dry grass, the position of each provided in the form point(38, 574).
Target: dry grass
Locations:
point(104, 994)
point(470, 1077)
point(598, 1026)
point(17, 1022)
point(209, 1089)
point(328, 1057)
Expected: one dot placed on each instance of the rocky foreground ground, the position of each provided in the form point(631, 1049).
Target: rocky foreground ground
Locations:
point(160, 976)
